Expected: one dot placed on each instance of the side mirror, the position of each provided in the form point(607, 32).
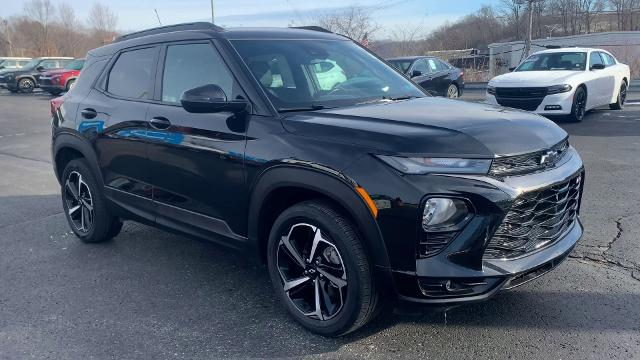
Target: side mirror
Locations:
point(597, 67)
point(415, 73)
point(209, 99)
point(40, 68)
point(512, 68)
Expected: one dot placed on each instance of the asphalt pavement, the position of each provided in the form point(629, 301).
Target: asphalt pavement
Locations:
point(152, 295)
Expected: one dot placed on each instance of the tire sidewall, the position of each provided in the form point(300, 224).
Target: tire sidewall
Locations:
point(573, 115)
point(28, 90)
point(100, 215)
point(457, 91)
point(349, 313)
point(69, 84)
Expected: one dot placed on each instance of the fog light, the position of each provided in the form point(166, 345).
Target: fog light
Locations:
point(442, 213)
point(553, 107)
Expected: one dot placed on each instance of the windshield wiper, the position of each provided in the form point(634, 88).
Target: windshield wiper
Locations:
point(398, 98)
point(312, 107)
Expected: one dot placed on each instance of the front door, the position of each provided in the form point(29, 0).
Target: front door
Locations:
point(196, 159)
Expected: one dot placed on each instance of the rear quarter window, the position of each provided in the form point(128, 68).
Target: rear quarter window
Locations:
point(132, 74)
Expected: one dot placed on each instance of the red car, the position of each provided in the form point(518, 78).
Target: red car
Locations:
point(59, 80)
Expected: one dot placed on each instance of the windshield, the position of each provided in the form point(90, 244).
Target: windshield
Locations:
point(555, 61)
point(303, 74)
point(402, 65)
point(75, 65)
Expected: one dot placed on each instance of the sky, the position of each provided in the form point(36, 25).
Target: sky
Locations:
point(139, 14)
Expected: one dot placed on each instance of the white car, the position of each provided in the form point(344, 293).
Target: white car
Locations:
point(568, 81)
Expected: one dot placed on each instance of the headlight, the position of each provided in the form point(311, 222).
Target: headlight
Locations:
point(415, 165)
point(441, 213)
point(556, 89)
point(491, 90)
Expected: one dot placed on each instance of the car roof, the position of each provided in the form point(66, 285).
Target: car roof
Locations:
point(54, 58)
point(568, 49)
point(411, 58)
point(203, 30)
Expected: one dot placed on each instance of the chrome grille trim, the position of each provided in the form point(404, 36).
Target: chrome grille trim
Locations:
point(536, 220)
point(529, 163)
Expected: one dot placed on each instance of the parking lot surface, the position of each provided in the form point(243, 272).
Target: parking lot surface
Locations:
point(150, 294)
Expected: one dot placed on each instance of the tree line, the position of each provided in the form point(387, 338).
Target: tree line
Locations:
point(43, 29)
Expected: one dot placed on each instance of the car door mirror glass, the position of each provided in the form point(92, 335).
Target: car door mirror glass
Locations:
point(597, 66)
point(416, 73)
point(209, 98)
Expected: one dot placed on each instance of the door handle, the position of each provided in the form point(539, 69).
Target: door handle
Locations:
point(89, 113)
point(159, 123)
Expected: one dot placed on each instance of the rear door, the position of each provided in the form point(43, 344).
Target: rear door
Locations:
point(598, 86)
point(197, 163)
point(424, 80)
point(613, 78)
point(112, 117)
point(440, 77)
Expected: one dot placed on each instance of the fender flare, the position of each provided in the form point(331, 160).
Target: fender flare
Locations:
point(72, 141)
point(333, 185)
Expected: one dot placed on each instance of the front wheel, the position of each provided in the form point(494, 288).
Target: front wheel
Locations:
point(26, 85)
point(579, 107)
point(622, 97)
point(320, 270)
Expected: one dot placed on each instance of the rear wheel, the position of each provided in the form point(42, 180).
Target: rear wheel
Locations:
point(84, 205)
point(622, 97)
point(70, 84)
point(579, 107)
point(320, 271)
point(453, 92)
point(26, 85)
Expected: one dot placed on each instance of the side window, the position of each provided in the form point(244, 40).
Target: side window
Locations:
point(131, 76)
point(9, 63)
point(192, 65)
point(608, 59)
point(49, 64)
point(433, 65)
point(443, 66)
point(595, 58)
point(421, 65)
point(23, 63)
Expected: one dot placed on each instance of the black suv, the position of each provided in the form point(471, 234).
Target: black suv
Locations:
point(354, 187)
point(27, 78)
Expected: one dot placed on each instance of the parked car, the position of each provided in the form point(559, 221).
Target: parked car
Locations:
point(434, 75)
point(367, 192)
point(26, 78)
point(567, 82)
point(59, 80)
point(13, 62)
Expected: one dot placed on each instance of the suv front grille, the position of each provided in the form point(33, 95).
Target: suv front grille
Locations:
point(536, 220)
point(528, 163)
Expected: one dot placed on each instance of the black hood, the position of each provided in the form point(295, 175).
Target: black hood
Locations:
point(431, 126)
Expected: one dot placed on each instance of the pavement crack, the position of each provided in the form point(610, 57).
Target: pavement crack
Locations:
point(24, 157)
point(602, 260)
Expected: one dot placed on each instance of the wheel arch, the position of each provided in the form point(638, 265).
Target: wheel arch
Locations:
point(272, 193)
point(30, 77)
point(67, 147)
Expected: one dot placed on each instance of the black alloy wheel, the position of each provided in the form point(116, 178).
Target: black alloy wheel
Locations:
point(622, 97)
point(579, 108)
point(26, 85)
point(84, 205)
point(320, 270)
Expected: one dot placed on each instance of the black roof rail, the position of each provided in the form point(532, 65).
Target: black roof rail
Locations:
point(170, 28)
point(312, 28)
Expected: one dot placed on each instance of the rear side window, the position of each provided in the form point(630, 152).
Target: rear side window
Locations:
point(132, 74)
point(50, 64)
point(421, 65)
point(595, 58)
point(192, 65)
point(608, 59)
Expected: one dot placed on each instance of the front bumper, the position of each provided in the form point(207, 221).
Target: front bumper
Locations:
point(556, 104)
point(460, 273)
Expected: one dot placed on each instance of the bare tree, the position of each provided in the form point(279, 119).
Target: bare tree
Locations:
point(354, 22)
point(40, 12)
point(512, 11)
point(102, 22)
point(407, 38)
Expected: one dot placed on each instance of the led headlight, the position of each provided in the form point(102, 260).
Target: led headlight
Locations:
point(441, 213)
point(415, 165)
point(491, 90)
point(557, 89)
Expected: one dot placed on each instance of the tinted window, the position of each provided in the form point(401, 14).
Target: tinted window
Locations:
point(131, 76)
point(442, 66)
point(193, 65)
point(595, 58)
point(554, 61)
point(402, 65)
point(433, 65)
point(421, 65)
point(49, 64)
point(75, 65)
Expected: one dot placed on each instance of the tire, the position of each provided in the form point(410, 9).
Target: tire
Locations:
point(579, 106)
point(453, 92)
point(622, 97)
point(26, 85)
point(89, 218)
point(340, 273)
point(69, 85)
